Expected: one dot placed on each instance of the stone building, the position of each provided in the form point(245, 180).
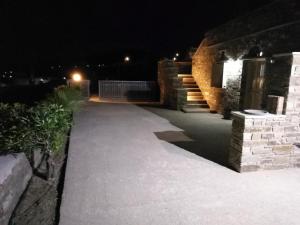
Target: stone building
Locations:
point(237, 56)
point(253, 62)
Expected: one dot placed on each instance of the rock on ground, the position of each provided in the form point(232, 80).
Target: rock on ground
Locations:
point(15, 173)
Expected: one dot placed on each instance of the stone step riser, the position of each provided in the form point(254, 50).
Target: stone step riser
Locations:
point(196, 106)
point(195, 110)
point(188, 80)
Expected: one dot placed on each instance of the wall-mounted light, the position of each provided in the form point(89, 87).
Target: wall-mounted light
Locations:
point(254, 52)
point(222, 57)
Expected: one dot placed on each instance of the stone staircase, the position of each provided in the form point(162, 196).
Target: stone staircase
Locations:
point(192, 101)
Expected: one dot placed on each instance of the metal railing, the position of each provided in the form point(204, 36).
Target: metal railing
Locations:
point(128, 90)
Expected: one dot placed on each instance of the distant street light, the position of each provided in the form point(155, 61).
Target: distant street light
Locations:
point(76, 77)
point(177, 54)
point(174, 59)
point(127, 59)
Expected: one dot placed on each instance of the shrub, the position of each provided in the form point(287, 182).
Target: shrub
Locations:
point(43, 127)
point(69, 97)
point(50, 124)
point(15, 128)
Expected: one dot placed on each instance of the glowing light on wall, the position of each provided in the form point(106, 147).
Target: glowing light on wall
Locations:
point(232, 70)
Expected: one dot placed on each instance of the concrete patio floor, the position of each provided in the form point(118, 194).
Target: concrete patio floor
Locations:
point(129, 165)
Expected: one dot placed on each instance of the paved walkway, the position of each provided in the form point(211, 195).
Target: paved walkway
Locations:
point(126, 167)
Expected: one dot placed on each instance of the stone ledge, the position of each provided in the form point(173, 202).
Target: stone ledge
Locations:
point(249, 116)
point(15, 173)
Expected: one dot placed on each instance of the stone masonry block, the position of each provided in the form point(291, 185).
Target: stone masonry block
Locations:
point(257, 150)
point(258, 129)
point(277, 141)
point(267, 135)
point(277, 129)
point(249, 168)
point(255, 143)
point(291, 129)
point(249, 122)
point(282, 160)
point(256, 136)
point(296, 69)
point(278, 135)
point(297, 134)
point(282, 149)
point(247, 136)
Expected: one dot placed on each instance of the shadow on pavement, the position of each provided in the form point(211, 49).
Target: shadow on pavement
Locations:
point(204, 134)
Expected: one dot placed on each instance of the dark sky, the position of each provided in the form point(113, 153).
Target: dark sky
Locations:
point(61, 31)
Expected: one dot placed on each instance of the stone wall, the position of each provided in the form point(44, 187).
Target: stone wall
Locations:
point(270, 141)
point(40, 201)
point(264, 142)
point(171, 95)
point(274, 28)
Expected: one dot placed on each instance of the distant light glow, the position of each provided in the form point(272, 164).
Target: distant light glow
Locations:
point(261, 54)
point(177, 54)
point(174, 59)
point(127, 59)
point(77, 77)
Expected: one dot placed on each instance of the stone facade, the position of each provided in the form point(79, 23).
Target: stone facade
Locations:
point(273, 29)
point(271, 141)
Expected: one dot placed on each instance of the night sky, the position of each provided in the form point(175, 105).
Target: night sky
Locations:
point(45, 32)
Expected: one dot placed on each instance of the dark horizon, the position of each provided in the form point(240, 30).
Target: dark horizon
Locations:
point(41, 34)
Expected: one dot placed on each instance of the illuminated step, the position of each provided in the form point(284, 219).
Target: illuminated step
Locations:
point(194, 93)
point(195, 98)
point(184, 75)
point(188, 80)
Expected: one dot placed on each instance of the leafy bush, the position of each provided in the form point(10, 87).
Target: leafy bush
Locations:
point(14, 128)
point(50, 124)
point(69, 98)
point(43, 127)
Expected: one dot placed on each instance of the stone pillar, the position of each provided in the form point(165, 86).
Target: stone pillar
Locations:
point(271, 141)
